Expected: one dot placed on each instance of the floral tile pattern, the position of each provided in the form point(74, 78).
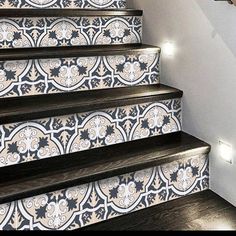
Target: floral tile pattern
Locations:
point(79, 4)
point(8, 216)
point(71, 31)
point(44, 138)
point(37, 77)
point(80, 206)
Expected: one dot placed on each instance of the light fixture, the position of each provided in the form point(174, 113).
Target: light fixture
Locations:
point(168, 49)
point(226, 152)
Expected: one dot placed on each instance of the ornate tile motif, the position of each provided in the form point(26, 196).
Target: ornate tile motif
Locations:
point(71, 31)
point(81, 206)
point(8, 216)
point(37, 77)
point(76, 4)
point(44, 138)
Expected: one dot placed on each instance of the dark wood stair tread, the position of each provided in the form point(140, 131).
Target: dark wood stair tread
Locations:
point(66, 12)
point(38, 177)
point(202, 211)
point(75, 51)
point(34, 107)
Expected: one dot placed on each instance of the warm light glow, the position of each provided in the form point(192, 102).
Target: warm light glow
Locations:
point(226, 152)
point(223, 226)
point(168, 49)
point(220, 224)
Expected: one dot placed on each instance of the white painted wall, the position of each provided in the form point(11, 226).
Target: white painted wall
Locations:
point(204, 67)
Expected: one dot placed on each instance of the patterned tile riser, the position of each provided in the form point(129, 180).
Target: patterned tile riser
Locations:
point(70, 31)
point(44, 138)
point(80, 206)
point(63, 4)
point(37, 77)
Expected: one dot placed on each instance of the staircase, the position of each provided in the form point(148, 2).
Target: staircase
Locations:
point(87, 132)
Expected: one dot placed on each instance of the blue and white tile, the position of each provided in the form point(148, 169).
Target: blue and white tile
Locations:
point(186, 176)
point(88, 204)
point(9, 216)
point(63, 4)
point(50, 137)
point(54, 210)
point(70, 31)
point(38, 77)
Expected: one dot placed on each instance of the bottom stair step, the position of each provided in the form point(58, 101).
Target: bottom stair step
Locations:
point(201, 211)
point(92, 186)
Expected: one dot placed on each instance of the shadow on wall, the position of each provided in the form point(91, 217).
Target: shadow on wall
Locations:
point(222, 25)
point(213, 12)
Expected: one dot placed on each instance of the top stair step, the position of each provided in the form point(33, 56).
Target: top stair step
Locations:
point(78, 4)
point(30, 28)
point(16, 13)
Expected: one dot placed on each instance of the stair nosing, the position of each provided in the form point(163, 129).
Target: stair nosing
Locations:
point(14, 54)
point(24, 109)
point(16, 13)
point(198, 148)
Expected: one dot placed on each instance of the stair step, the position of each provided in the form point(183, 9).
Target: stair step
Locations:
point(52, 136)
point(14, 54)
point(93, 165)
point(81, 4)
point(43, 106)
point(202, 211)
point(19, 13)
point(29, 28)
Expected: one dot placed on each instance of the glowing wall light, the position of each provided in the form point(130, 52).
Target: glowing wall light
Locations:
point(168, 49)
point(226, 152)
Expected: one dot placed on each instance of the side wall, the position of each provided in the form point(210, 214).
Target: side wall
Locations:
point(204, 66)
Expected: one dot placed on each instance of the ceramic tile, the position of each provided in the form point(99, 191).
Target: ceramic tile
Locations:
point(49, 76)
point(70, 31)
point(63, 4)
point(84, 205)
point(50, 137)
point(9, 216)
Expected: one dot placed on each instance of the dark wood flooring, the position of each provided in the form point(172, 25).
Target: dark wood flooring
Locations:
point(201, 211)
